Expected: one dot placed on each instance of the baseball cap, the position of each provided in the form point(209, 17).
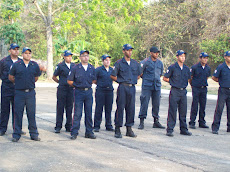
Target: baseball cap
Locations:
point(127, 47)
point(25, 49)
point(104, 57)
point(227, 53)
point(203, 54)
point(83, 51)
point(180, 52)
point(67, 53)
point(154, 50)
point(13, 46)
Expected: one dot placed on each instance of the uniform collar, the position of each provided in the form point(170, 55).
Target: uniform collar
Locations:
point(177, 65)
point(150, 59)
point(225, 65)
point(103, 67)
point(124, 61)
point(199, 64)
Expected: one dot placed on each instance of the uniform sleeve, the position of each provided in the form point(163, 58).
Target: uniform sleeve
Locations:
point(71, 74)
point(189, 73)
point(115, 69)
point(162, 69)
point(97, 73)
point(13, 70)
point(139, 69)
point(169, 72)
point(57, 71)
point(94, 74)
point(209, 72)
point(37, 71)
point(143, 66)
point(1, 68)
point(192, 70)
point(217, 72)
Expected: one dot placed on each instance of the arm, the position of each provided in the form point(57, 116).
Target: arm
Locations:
point(55, 79)
point(114, 78)
point(165, 79)
point(215, 78)
point(36, 79)
point(11, 78)
point(70, 83)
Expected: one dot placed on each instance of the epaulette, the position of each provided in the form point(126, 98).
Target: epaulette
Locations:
point(4, 58)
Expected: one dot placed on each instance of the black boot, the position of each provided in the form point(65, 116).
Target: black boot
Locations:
point(141, 126)
point(157, 124)
point(130, 132)
point(117, 132)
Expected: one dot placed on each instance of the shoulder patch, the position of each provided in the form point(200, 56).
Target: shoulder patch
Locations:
point(215, 71)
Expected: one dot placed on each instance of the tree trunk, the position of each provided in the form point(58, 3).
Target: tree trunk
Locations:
point(49, 38)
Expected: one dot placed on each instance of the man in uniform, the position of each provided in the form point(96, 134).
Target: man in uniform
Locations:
point(152, 69)
point(199, 75)
point(81, 77)
point(104, 94)
point(7, 88)
point(178, 75)
point(64, 92)
point(24, 74)
point(222, 75)
point(126, 72)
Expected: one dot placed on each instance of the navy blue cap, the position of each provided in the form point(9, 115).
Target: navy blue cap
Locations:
point(154, 50)
point(104, 57)
point(67, 53)
point(203, 54)
point(180, 52)
point(13, 46)
point(25, 49)
point(83, 51)
point(127, 47)
point(227, 53)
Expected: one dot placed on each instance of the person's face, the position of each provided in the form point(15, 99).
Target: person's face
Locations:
point(14, 52)
point(181, 58)
point(27, 55)
point(84, 57)
point(128, 53)
point(106, 62)
point(68, 58)
point(227, 59)
point(154, 55)
point(204, 60)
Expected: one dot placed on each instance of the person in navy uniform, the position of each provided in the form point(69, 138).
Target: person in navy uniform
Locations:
point(7, 88)
point(24, 74)
point(104, 94)
point(199, 75)
point(64, 92)
point(152, 69)
point(178, 75)
point(81, 77)
point(222, 75)
point(126, 72)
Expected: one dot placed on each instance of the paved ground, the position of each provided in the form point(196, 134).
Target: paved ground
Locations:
point(150, 151)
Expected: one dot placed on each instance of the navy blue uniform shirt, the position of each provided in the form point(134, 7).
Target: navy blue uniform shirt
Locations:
point(178, 78)
point(200, 75)
point(222, 72)
point(82, 78)
point(5, 65)
point(103, 78)
point(62, 70)
point(126, 73)
point(152, 71)
point(25, 76)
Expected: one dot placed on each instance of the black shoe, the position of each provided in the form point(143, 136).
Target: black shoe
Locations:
point(57, 130)
point(157, 124)
point(15, 140)
point(23, 133)
point(170, 134)
point(90, 136)
point(141, 126)
point(186, 132)
point(68, 130)
point(35, 138)
point(110, 129)
point(73, 137)
point(203, 126)
point(117, 132)
point(228, 129)
point(192, 126)
point(129, 132)
point(2, 133)
point(214, 132)
point(96, 129)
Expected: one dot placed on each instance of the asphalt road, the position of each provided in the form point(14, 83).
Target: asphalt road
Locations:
point(152, 150)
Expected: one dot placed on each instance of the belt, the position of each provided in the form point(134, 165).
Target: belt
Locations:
point(27, 90)
point(179, 88)
point(201, 87)
point(129, 85)
point(226, 88)
point(83, 89)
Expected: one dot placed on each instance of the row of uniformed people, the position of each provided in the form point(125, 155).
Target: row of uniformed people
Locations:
point(126, 72)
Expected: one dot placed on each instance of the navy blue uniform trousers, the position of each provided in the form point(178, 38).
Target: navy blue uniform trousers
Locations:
point(21, 100)
point(82, 98)
point(104, 98)
point(177, 99)
point(125, 100)
point(223, 97)
point(145, 97)
point(7, 98)
point(199, 96)
point(64, 102)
